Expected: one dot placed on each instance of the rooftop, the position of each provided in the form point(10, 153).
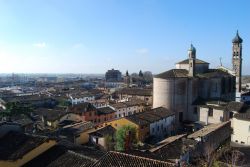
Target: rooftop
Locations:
point(107, 130)
point(207, 130)
point(136, 91)
point(81, 107)
point(105, 110)
point(15, 145)
point(167, 141)
point(59, 156)
point(51, 114)
point(147, 117)
point(174, 73)
point(197, 61)
point(118, 159)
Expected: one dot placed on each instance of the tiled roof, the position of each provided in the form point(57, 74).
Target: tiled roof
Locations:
point(235, 106)
point(118, 159)
point(175, 149)
point(50, 114)
point(82, 107)
point(166, 141)
point(197, 61)
point(137, 120)
point(174, 73)
point(91, 152)
point(15, 145)
point(243, 116)
point(161, 111)
point(59, 156)
point(214, 73)
point(207, 130)
point(136, 91)
point(72, 159)
point(107, 130)
point(104, 110)
point(130, 103)
point(147, 117)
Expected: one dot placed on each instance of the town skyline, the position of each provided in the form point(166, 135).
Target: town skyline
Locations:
point(95, 36)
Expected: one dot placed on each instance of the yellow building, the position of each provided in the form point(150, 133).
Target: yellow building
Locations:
point(142, 126)
point(18, 149)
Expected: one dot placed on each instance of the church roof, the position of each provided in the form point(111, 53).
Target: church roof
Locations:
point(174, 73)
point(237, 38)
point(197, 61)
point(213, 73)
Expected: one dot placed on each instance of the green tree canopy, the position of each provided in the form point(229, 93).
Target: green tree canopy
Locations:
point(125, 137)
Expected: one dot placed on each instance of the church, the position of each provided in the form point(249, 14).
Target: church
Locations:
point(181, 89)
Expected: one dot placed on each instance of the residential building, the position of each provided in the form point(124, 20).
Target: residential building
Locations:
point(157, 123)
point(77, 133)
point(90, 113)
point(211, 137)
point(18, 148)
point(103, 137)
point(113, 76)
point(52, 117)
point(127, 108)
point(66, 154)
point(174, 148)
point(81, 98)
point(139, 93)
point(241, 129)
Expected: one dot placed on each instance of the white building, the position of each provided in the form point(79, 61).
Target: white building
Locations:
point(127, 108)
point(213, 112)
point(241, 129)
point(81, 98)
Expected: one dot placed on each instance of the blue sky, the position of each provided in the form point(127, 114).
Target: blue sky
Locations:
point(92, 36)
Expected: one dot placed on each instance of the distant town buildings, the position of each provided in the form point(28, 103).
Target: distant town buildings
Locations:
point(113, 76)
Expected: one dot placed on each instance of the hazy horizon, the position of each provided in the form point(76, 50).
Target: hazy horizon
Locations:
point(93, 36)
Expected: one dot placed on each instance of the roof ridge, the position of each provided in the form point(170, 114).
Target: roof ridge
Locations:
point(131, 155)
point(81, 155)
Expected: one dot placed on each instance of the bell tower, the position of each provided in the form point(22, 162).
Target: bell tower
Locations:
point(237, 60)
point(191, 58)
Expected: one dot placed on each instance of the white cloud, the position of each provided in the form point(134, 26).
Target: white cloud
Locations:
point(142, 51)
point(40, 45)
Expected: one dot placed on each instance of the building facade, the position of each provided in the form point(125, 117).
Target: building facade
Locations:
point(113, 76)
point(179, 88)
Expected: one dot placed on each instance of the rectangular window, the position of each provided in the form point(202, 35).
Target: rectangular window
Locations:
point(210, 112)
point(249, 129)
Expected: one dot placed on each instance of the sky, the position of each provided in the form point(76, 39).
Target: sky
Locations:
point(92, 36)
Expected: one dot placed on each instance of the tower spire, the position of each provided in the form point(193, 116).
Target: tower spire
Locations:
point(237, 59)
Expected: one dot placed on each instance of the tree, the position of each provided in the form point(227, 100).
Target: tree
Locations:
point(148, 76)
point(233, 157)
point(17, 108)
point(125, 137)
point(64, 103)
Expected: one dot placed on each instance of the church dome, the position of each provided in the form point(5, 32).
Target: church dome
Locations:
point(237, 38)
point(192, 48)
